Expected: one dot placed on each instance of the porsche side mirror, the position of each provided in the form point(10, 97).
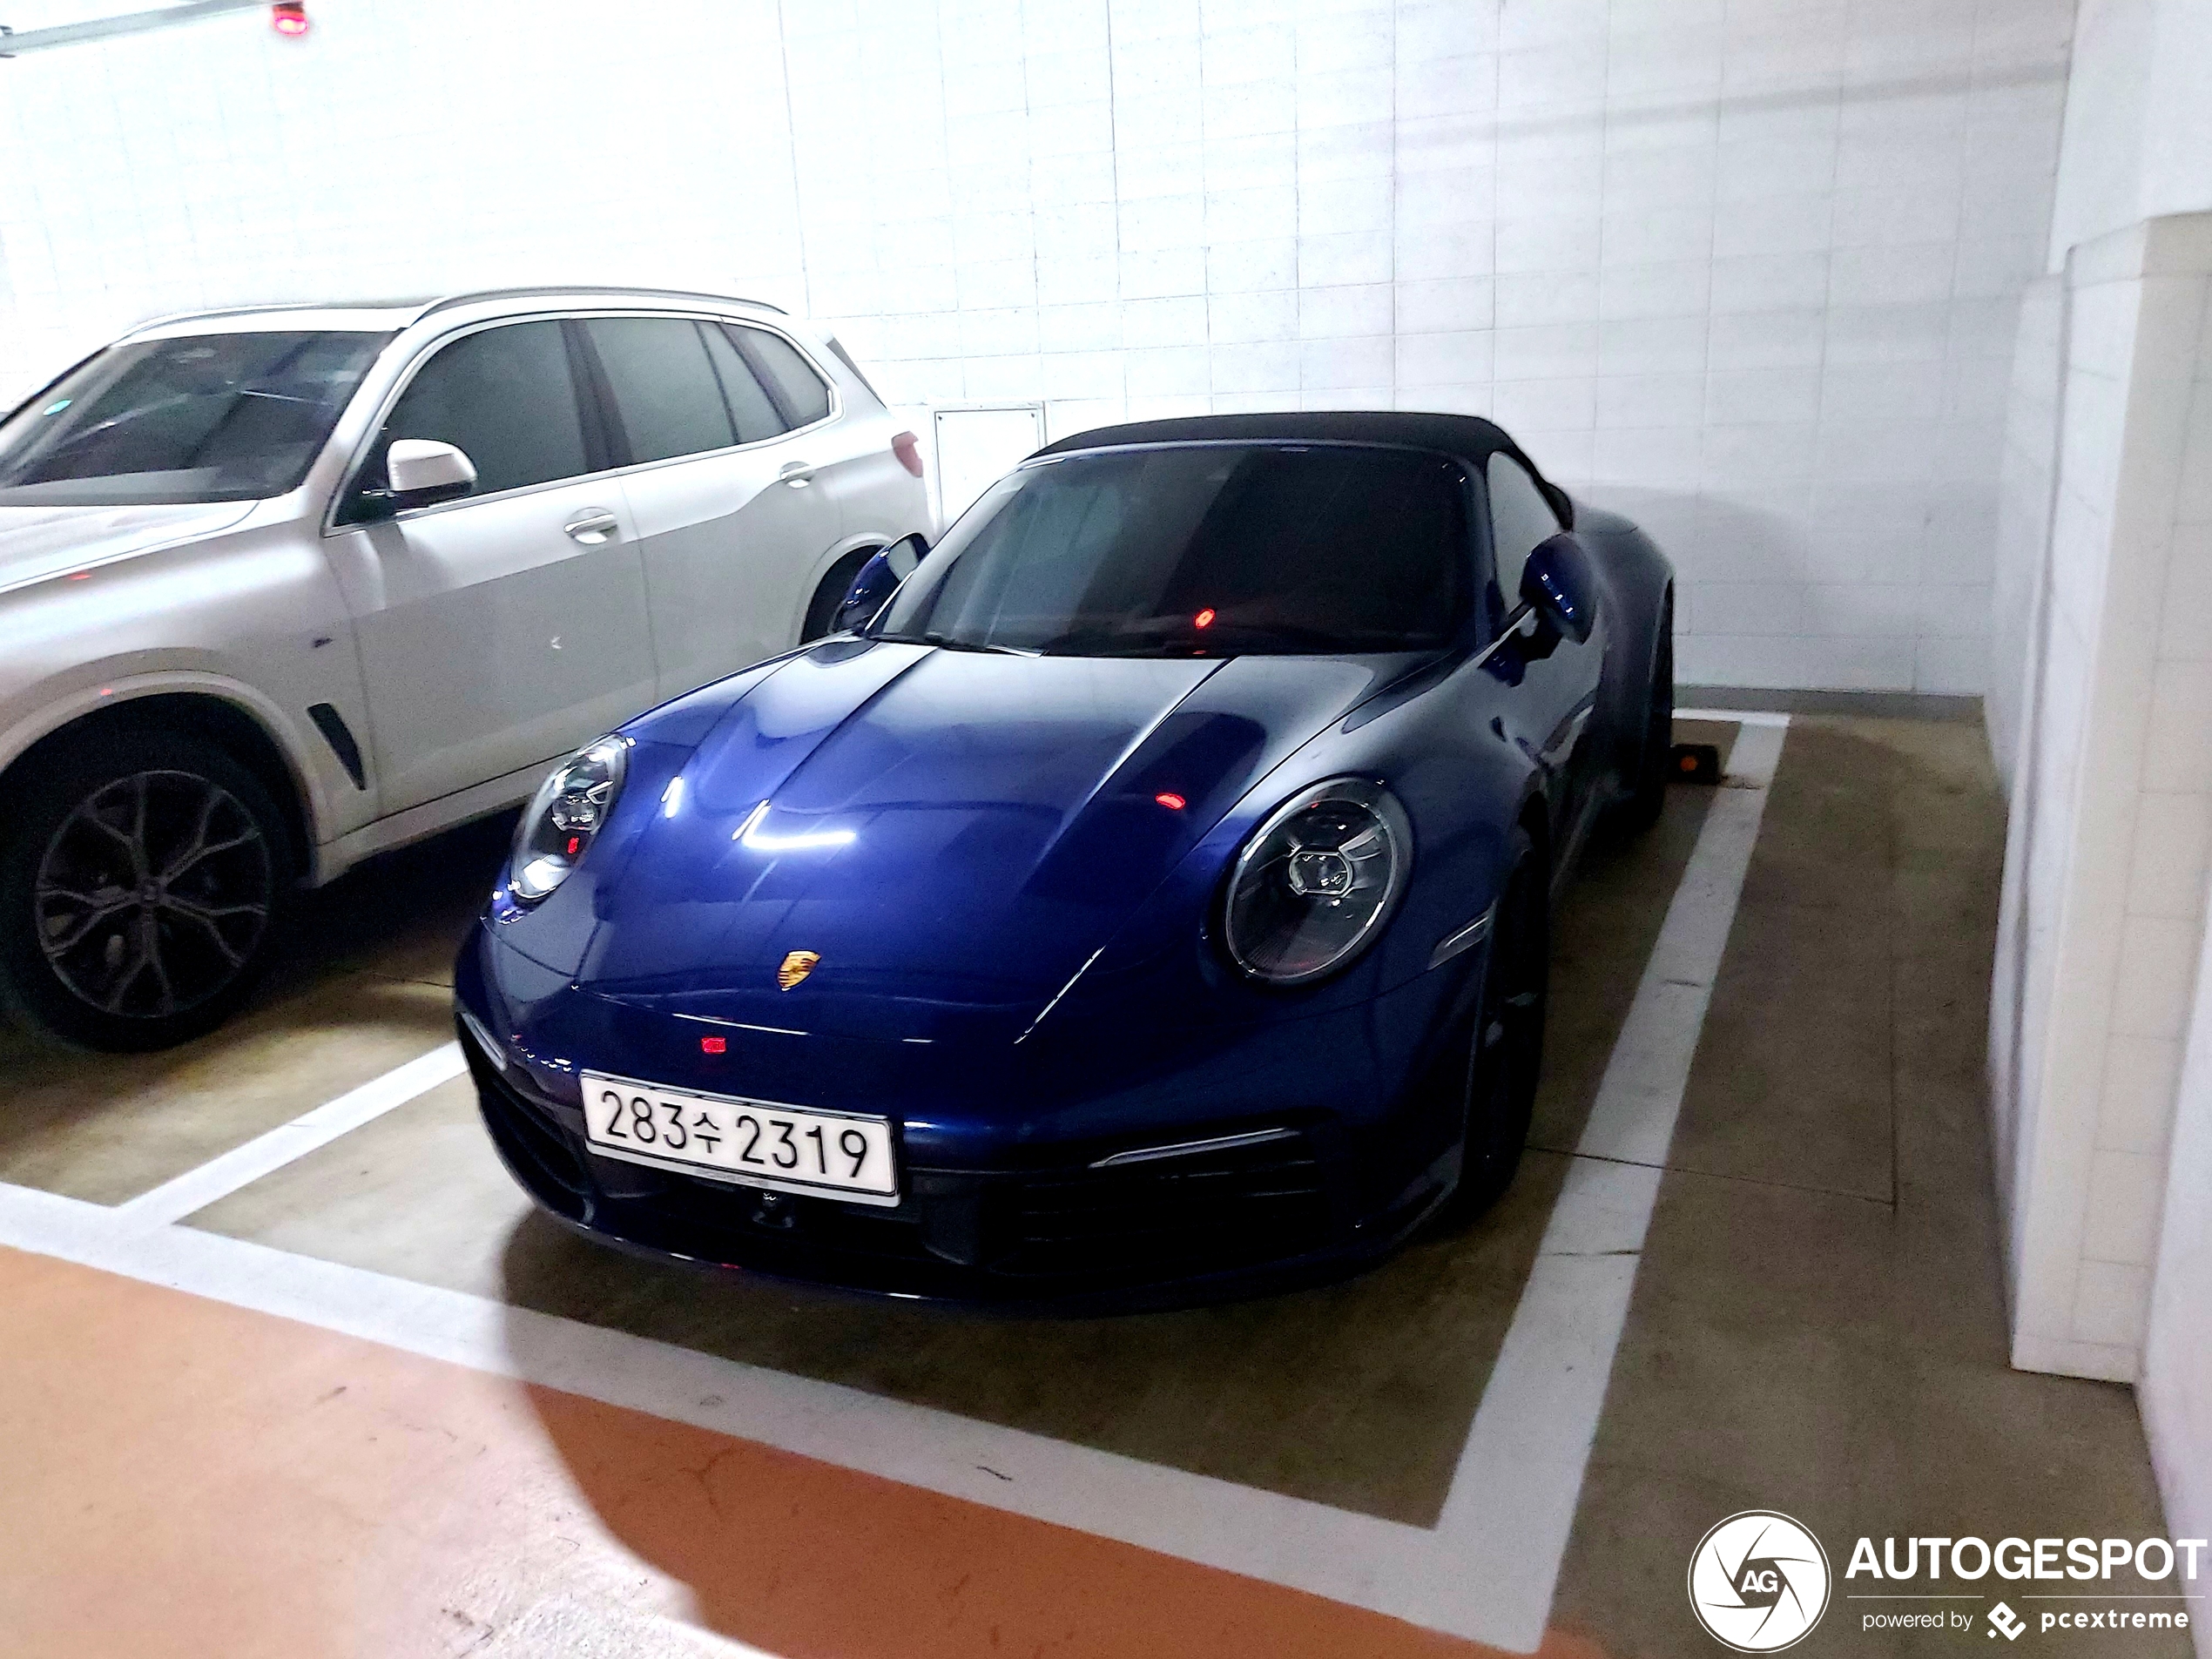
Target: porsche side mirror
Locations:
point(1558, 583)
point(877, 581)
point(419, 471)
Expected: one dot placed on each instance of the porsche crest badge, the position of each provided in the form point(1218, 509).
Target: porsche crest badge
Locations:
point(797, 966)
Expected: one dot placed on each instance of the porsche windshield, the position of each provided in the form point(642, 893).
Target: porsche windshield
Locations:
point(206, 417)
point(1201, 551)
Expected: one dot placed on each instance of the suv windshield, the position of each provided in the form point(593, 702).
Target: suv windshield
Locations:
point(206, 417)
point(1201, 551)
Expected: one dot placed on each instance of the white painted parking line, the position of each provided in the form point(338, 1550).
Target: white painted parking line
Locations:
point(1488, 1570)
point(1633, 1118)
point(1738, 717)
point(197, 1189)
point(1519, 1477)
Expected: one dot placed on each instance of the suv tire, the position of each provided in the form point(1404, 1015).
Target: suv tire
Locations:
point(822, 609)
point(141, 883)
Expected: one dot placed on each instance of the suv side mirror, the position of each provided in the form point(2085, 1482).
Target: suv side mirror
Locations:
point(1558, 583)
point(877, 581)
point(419, 471)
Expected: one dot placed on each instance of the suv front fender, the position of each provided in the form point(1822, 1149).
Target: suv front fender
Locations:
point(95, 693)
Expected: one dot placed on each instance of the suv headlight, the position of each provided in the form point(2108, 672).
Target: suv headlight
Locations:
point(567, 814)
point(1317, 880)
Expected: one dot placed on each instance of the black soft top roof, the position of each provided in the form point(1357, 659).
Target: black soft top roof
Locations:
point(1468, 437)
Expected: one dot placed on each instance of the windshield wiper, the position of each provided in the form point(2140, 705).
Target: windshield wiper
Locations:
point(946, 642)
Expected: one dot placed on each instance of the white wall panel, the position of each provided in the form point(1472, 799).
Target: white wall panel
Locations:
point(2138, 124)
point(1748, 269)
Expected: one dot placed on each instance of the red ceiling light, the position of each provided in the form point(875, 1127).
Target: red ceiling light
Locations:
point(1203, 619)
point(1172, 801)
point(289, 19)
point(714, 1045)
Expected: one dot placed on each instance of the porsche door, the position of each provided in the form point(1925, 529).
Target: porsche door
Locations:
point(1551, 710)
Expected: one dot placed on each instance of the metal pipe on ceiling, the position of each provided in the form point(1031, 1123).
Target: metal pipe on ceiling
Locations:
point(13, 45)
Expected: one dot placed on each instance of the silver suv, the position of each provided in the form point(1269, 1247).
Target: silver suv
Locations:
point(285, 587)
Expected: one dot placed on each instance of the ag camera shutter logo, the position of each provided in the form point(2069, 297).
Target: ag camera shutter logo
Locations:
point(1758, 1581)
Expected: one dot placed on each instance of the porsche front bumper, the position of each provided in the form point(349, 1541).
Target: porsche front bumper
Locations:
point(1283, 1169)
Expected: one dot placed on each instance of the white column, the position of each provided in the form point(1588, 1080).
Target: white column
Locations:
point(2104, 908)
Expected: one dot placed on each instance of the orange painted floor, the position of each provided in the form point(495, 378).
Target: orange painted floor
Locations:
point(186, 1478)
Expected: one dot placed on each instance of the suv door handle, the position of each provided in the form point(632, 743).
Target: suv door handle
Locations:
point(593, 526)
point(795, 473)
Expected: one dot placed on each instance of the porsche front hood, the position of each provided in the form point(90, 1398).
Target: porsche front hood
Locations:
point(943, 833)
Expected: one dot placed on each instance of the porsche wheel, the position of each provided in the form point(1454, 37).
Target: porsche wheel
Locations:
point(1505, 1047)
point(139, 887)
point(1649, 794)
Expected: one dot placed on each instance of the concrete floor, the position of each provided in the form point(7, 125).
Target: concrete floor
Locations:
point(1815, 1328)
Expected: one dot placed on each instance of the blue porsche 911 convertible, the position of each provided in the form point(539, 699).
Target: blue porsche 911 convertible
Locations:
point(1145, 898)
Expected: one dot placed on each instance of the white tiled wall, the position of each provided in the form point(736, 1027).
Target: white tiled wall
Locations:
point(2139, 127)
point(404, 147)
point(1746, 268)
point(2104, 910)
point(2024, 504)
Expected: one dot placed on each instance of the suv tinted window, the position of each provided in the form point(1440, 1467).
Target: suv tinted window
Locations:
point(506, 397)
point(1520, 517)
point(206, 417)
point(791, 380)
point(749, 406)
point(666, 393)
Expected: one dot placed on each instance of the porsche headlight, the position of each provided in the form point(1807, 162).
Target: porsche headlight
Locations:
point(1317, 880)
point(567, 814)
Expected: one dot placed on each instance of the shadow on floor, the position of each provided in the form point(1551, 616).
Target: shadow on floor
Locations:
point(808, 1561)
point(402, 915)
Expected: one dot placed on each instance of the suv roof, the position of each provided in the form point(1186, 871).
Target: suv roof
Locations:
point(398, 313)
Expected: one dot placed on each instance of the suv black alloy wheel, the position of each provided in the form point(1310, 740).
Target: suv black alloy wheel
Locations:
point(141, 890)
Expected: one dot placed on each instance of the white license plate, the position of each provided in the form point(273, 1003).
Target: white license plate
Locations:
point(753, 1142)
